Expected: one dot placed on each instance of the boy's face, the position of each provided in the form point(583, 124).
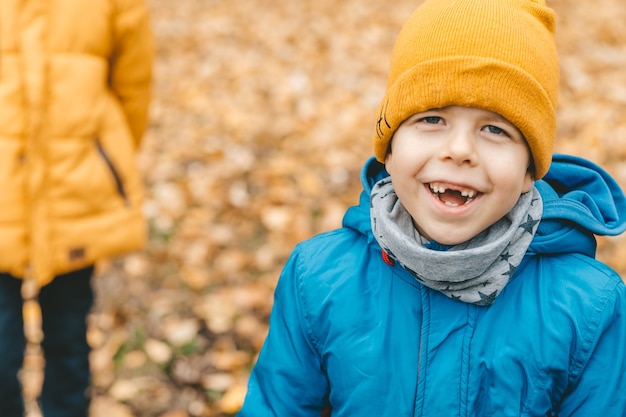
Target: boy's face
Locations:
point(457, 170)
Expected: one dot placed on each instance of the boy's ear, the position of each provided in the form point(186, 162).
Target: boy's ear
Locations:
point(529, 179)
point(388, 153)
point(388, 157)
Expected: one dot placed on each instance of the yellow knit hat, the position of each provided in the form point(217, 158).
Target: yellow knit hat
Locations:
point(498, 55)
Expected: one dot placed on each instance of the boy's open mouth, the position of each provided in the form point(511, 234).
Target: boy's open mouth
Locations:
point(453, 197)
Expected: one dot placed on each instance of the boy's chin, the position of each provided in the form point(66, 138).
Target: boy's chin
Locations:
point(447, 239)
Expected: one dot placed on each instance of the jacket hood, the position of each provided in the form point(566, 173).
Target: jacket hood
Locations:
point(358, 217)
point(580, 200)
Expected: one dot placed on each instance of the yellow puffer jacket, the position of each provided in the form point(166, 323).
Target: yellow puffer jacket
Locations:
point(74, 90)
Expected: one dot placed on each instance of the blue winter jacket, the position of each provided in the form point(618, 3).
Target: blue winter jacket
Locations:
point(351, 335)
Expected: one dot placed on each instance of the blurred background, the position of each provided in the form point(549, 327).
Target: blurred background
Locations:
point(263, 114)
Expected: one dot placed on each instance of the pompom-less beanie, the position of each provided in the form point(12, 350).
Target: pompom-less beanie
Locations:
point(498, 55)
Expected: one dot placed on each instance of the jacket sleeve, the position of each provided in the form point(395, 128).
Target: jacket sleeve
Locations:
point(131, 63)
point(599, 389)
point(287, 379)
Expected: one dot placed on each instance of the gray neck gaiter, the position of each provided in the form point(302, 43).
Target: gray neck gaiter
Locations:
point(475, 271)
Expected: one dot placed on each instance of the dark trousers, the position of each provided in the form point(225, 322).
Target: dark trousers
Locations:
point(65, 304)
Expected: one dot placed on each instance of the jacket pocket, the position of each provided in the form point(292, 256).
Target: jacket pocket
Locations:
point(119, 184)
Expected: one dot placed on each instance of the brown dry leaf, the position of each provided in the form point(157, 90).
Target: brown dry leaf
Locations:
point(125, 389)
point(179, 331)
point(158, 351)
point(230, 360)
point(233, 399)
point(32, 321)
point(107, 407)
point(175, 413)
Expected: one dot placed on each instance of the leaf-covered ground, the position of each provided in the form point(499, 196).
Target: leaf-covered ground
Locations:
point(263, 113)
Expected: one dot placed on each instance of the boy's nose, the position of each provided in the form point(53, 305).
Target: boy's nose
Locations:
point(460, 148)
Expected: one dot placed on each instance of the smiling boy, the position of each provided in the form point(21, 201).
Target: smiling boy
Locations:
point(465, 282)
point(458, 170)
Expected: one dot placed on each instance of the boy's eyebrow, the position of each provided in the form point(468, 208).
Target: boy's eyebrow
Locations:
point(497, 117)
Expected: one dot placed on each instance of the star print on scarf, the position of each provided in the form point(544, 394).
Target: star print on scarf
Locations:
point(473, 272)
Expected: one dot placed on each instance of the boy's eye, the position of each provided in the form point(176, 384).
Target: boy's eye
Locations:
point(431, 119)
point(496, 130)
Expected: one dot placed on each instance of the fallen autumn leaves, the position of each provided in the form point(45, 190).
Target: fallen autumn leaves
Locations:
point(262, 117)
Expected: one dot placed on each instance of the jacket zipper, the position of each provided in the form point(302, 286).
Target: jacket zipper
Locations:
point(116, 176)
point(423, 344)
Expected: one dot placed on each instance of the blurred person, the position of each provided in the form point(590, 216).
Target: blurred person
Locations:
point(74, 92)
point(465, 282)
